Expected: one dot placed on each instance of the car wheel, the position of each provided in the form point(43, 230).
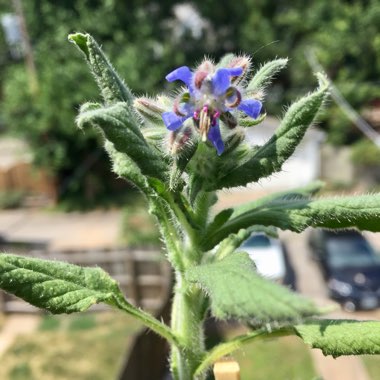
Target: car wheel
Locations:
point(349, 306)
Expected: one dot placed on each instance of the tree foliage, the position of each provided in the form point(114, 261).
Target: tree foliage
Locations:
point(145, 41)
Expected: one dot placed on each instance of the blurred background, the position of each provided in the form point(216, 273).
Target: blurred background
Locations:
point(48, 166)
point(43, 80)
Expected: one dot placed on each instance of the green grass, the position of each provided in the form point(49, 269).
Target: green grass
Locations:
point(280, 359)
point(11, 199)
point(80, 347)
point(49, 323)
point(92, 346)
point(372, 364)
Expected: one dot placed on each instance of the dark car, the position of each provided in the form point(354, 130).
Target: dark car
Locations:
point(350, 267)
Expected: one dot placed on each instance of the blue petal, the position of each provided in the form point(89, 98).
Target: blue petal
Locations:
point(235, 71)
point(187, 108)
point(172, 120)
point(251, 107)
point(221, 81)
point(216, 138)
point(183, 73)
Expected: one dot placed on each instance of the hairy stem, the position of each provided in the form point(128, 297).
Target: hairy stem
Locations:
point(148, 320)
point(187, 324)
point(227, 348)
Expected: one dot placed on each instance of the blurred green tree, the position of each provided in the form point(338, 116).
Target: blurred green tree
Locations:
point(46, 119)
point(345, 36)
point(147, 39)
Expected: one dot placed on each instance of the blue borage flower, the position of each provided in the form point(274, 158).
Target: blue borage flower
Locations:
point(211, 95)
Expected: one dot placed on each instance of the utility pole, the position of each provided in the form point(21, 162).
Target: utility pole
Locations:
point(347, 109)
point(29, 58)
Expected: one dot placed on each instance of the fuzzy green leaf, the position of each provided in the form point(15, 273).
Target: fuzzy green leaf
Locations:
point(265, 74)
point(122, 164)
point(237, 291)
point(55, 286)
point(66, 288)
point(220, 219)
point(80, 40)
point(301, 193)
point(270, 157)
point(124, 167)
point(233, 241)
point(118, 126)
point(341, 337)
point(112, 87)
point(249, 122)
point(361, 212)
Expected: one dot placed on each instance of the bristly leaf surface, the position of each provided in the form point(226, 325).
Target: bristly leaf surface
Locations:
point(236, 290)
point(118, 125)
point(112, 87)
point(361, 212)
point(56, 286)
point(341, 337)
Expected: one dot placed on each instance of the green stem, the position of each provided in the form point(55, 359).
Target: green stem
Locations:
point(168, 232)
point(227, 348)
point(149, 321)
point(187, 324)
point(202, 207)
point(182, 218)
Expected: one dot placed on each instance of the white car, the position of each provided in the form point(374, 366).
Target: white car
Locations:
point(267, 254)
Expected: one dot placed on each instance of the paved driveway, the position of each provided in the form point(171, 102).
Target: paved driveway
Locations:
point(75, 230)
point(310, 283)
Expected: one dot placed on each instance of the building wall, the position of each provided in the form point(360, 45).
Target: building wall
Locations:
point(302, 168)
point(18, 174)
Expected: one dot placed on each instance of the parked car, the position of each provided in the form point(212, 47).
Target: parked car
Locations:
point(350, 267)
point(268, 255)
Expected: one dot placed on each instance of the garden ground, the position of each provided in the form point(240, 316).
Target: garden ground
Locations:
point(92, 346)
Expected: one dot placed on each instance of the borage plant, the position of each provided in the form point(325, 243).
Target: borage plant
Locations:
point(179, 151)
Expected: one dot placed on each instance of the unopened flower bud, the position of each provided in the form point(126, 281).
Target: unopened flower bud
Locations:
point(241, 61)
point(180, 139)
point(229, 120)
point(199, 77)
point(206, 66)
point(149, 109)
point(234, 139)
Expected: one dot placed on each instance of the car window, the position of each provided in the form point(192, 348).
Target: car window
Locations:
point(350, 252)
point(259, 241)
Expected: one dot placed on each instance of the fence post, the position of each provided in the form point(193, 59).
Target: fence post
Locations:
point(134, 272)
point(2, 302)
point(227, 370)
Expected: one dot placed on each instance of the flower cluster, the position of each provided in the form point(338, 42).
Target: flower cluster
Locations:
point(212, 94)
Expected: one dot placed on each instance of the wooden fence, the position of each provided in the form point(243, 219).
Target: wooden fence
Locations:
point(24, 177)
point(143, 274)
